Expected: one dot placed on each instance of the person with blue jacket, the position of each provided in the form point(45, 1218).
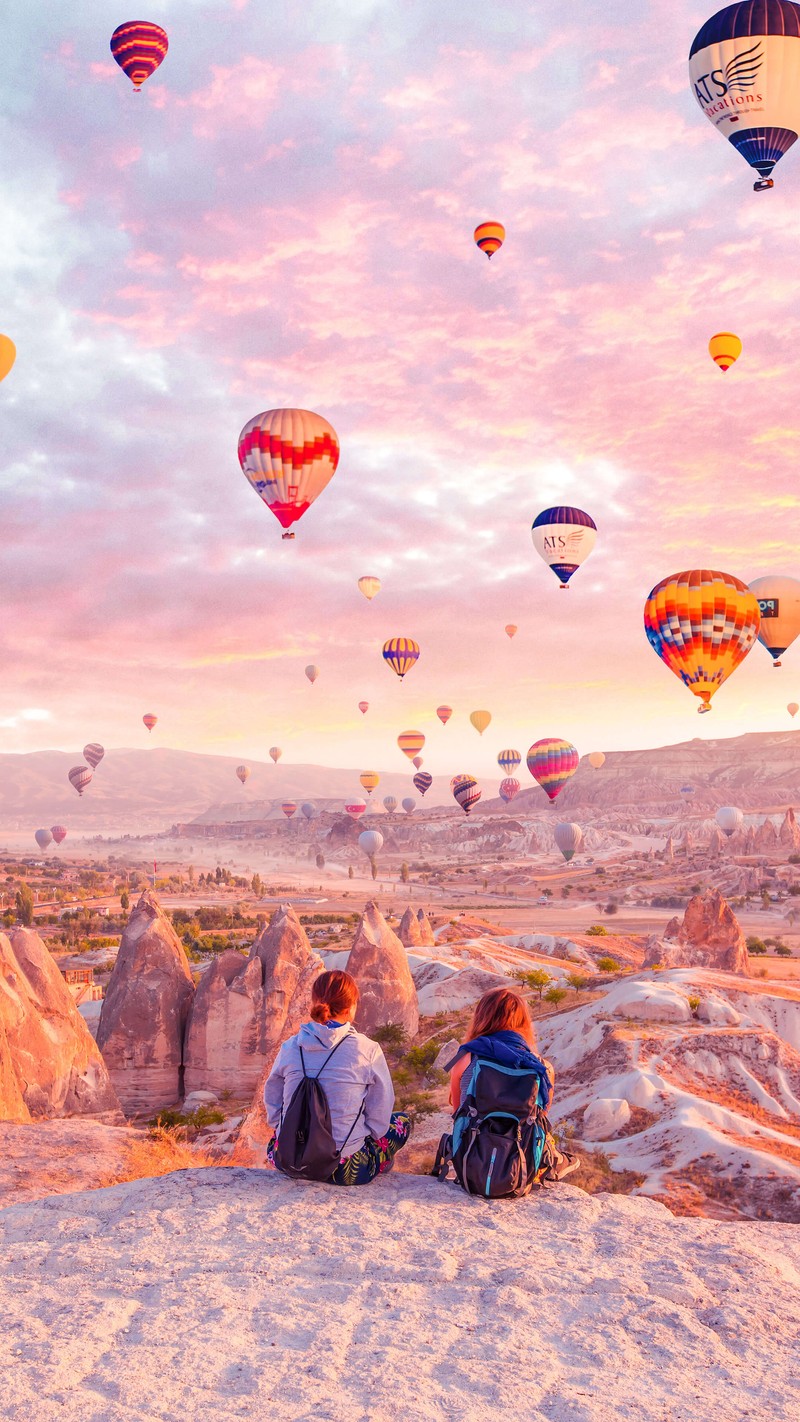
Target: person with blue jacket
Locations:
point(368, 1133)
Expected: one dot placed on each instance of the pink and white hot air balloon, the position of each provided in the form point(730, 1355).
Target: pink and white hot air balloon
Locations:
point(79, 777)
point(509, 788)
point(59, 833)
point(355, 808)
point(363, 707)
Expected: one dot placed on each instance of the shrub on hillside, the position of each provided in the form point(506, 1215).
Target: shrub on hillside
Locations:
point(597, 931)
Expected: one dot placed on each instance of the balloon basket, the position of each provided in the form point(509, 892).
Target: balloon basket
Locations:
point(284, 536)
point(763, 185)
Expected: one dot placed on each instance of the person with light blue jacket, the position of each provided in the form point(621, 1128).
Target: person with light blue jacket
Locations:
point(367, 1132)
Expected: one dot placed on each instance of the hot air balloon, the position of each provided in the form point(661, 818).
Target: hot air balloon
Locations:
point(390, 804)
point(59, 833)
point(363, 707)
point(288, 456)
point(371, 841)
point(309, 810)
point(417, 762)
point(401, 654)
point(509, 788)
point(320, 861)
point(724, 349)
point(596, 760)
point(139, 47)
point(508, 760)
point(411, 743)
point(8, 354)
point(457, 779)
point(370, 780)
point(793, 708)
point(489, 236)
point(243, 772)
point(568, 838)
point(687, 790)
point(43, 837)
point(79, 777)
point(150, 720)
point(744, 68)
point(275, 754)
point(369, 586)
point(409, 805)
point(312, 673)
point(289, 807)
point(480, 720)
point(422, 781)
point(564, 538)
point(511, 629)
point(444, 713)
point(551, 762)
point(466, 792)
point(93, 754)
point(702, 624)
point(355, 808)
point(779, 605)
point(729, 819)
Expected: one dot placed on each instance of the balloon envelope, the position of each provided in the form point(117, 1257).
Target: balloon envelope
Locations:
point(466, 792)
point(417, 762)
point(509, 788)
point(793, 708)
point(724, 349)
point(411, 743)
point(511, 629)
point(8, 354)
point(59, 833)
point(370, 780)
point(371, 841)
point(422, 781)
point(355, 808)
point(288, 457)
point(369, 586)
point(729, 819)
point(363, 707)
point(139, 47)
point(409, 805)
point(702, 624)
point(288, 808)
point(480, 720)
point(596, 759)
point(400, 653)
point(489, 237)
point(444, 713)
point(390, 804)
point(79, 777)
point(779, 605)
point(569, 838)
point(43, 837)
point(150, 720)
point(563, 537)
point(508, 760)
point(551, 762)
point(275, 753)
point(243, 772)
point(312, 673)
point(309, 810)
point(93, 754)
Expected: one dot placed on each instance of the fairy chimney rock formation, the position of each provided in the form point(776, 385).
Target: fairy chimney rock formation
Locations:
point(49, 1062)
point(144, 1012)
point(789, 832)
point(245, 1007)
point(716, 843)
point(428, 939)
point(766, 837)
point(379, 964)
point(410, 930)
point(709, 936)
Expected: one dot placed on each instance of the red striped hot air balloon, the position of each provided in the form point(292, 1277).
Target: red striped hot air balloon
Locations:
point(444, 713)
point(289, 807)
point(467, 792)
point(489, 237)
point(150, 720)
point(411, 743)
point(79, 777)
point(289, 457)
point(93, 754)
point(59, 833)
point(551, 762)
point(139, 47)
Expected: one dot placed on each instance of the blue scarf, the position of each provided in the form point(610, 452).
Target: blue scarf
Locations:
point(508, 1049)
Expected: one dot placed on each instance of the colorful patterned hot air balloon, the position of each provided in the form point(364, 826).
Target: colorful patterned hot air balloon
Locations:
point(568, 838)
point(444, 713)
point(355, 808)
point(480, 720)
point(79, 777)
point(401, 653)
point(139, 46)
point(596, 760)
point(43, 838)
point(551, 762)
point(150, 720)
point(564, 538)
point(422, 781)
point(312, 673)
point(389, 804)
point(793, 708)
point(289, 807)
point(8, 354)
point(744, 68)
point(457, 779)
point(489, 236)
point(363, 707)
point(288, 456)
point(243, 772)
point(409, 805)
point(466, 792)
point(729, 819)
point(417, 762)
point(724, 349)
point(370, 780)
point(411, 743)
point(779, 605)
point(509, 788)
point(275, 754)
point(511, 629)
point(702, 624)
point(93, 754)
point(508, 760)
point(369, 586)
point(309, 810)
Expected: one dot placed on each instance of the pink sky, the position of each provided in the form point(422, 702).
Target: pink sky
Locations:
point(284, 216)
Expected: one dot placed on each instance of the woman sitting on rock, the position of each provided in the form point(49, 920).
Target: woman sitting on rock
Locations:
point(367, 1133)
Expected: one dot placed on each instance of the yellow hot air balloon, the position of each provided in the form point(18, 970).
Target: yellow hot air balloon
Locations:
point(480, 720)
point(411, 743)
point(702, 624)
point(596, 759)
point(724, 349)
point(489, 236)
point(8, 354)
point(369, 586)
point(370, 780)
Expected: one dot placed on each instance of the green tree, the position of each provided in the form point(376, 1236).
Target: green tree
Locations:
point(24, 905)
point(608, 965)
point(125, 900)
point(597, 931)
point(783, 950)
point(555, 995)
point(576, 981)
point(257, 886)
point(537, 980)
point(756, 946)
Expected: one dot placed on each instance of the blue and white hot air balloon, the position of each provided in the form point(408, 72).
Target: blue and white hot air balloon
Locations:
point(744, 68)
point(563, 537)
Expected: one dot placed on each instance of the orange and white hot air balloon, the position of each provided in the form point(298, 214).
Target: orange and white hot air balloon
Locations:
point(489, 237)
point(724, 349)
point(289, 457)
point(369, 586)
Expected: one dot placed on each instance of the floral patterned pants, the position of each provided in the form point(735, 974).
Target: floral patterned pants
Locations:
point(374, 1157)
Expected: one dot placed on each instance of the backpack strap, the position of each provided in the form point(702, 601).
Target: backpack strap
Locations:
point(355, 1123)
point(319, 1074)
point(444, 1155)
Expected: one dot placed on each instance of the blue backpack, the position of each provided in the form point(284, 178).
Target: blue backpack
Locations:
point(500, 1145)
